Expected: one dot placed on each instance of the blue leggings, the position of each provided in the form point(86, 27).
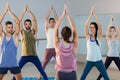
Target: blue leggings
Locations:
point(100, 66)
point(35, 60)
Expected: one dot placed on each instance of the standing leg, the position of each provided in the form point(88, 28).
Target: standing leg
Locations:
point(22, 62)
point(3, 71)
point(100, 66)
point(16, 72)
point(117, 62)
point(35, 60)
point(18, 76)
point(107, 64)
point(86, 70)
point(1, 76)
point(47, 57)
point(54, 53)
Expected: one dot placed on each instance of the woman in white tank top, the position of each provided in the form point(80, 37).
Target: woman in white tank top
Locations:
point(112, 37)
point(94, 57)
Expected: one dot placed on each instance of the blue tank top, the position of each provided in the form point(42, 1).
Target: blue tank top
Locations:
point(8, 52)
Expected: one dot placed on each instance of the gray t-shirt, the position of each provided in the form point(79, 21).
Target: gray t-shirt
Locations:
point(113, 48)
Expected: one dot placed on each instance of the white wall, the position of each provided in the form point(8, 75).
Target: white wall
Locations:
point(82, 7)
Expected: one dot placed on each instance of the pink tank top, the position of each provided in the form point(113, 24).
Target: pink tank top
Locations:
point(66, 60)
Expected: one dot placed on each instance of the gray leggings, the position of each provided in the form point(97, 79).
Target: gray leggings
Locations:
point(66, 76)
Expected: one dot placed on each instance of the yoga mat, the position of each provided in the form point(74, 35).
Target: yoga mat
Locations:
point(49, 78)
point(33, 78)
point(29, 78)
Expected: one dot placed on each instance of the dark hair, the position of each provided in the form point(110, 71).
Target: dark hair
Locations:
point(66, 33)
point(113, 27)
point(96, 27)
point(51, 19)
point(8, 22)
point(27, 20)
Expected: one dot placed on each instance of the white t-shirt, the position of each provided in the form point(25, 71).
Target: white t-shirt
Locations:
point(50, 38)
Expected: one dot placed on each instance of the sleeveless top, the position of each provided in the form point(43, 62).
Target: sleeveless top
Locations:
point(93, 50)
point(50, 38)
point(66, 60)
point(8, 53)
point(28, 44)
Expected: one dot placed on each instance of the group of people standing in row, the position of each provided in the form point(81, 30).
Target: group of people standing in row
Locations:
point(64, 51)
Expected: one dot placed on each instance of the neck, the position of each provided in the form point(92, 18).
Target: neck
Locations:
point(28, 30)
point(93, 35)
point(51, 27)
point(112, 36)
point(8, 34)
point(66, 44)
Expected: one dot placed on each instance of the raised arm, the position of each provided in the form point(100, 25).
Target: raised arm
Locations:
point(20, 18)
point(74, 31)
point(108, 28)
point(56, 38)
point(14, 17)
point(87, 23)
point(112, 22)
point(99, 24)
point(118, 33)
point(47, 17)
point(55, 15)
point(35, 29)
point(116, 28)
point(1, 19)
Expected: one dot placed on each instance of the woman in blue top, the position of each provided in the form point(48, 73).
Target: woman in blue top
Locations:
point(93, 38)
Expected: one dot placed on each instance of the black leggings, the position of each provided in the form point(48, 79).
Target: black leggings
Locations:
point(108, 62)
point(66, 75)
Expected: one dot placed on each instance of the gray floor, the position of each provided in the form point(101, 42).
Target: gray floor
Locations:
point(30, 71)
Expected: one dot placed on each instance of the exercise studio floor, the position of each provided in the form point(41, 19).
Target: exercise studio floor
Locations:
point(30, 71)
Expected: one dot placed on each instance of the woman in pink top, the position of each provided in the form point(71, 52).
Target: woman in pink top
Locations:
point(66, 49)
